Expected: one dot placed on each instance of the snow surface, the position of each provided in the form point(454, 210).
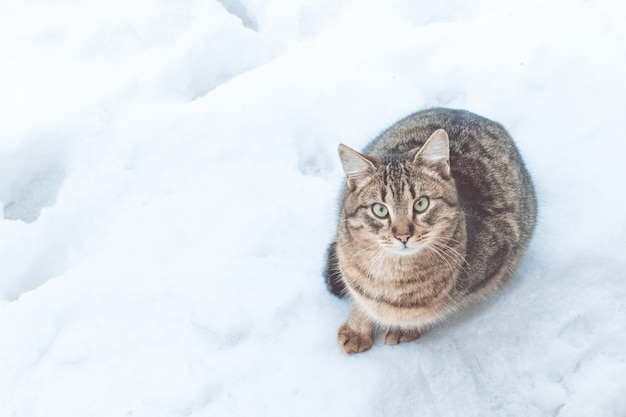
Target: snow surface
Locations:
point(169, 179)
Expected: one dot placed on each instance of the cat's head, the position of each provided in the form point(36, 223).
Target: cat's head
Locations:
point(403, 202)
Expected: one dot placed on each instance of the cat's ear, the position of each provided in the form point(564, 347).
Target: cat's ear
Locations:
point(436, 152)
point(356, 166)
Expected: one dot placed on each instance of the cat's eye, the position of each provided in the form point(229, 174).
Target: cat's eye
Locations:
point(421, 204)
point(380, 210)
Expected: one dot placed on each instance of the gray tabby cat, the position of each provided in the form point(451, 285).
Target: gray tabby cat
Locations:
point(435, 217)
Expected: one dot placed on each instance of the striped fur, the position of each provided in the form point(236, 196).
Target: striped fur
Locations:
point(409, 270)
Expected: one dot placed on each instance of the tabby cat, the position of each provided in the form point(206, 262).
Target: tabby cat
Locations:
point(435, 217)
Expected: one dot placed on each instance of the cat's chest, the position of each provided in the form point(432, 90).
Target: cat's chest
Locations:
point(399, 270)
point(404, 292)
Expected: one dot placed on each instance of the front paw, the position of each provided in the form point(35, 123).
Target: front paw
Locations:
point(352, 341)
point(396, 336)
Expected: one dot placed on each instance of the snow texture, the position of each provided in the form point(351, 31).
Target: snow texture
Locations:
point(169, 182)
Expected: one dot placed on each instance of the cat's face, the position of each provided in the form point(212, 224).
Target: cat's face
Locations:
point(404, 204)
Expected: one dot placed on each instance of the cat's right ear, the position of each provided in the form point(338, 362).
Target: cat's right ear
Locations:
point(356, 166)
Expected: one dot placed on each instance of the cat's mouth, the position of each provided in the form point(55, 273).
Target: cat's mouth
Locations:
point(405, 249)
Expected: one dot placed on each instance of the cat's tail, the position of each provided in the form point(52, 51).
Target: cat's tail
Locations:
point(332, 274)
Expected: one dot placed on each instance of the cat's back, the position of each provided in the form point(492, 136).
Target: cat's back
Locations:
point(468, 133)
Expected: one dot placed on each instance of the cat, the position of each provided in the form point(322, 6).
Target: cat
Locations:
point(435, 217)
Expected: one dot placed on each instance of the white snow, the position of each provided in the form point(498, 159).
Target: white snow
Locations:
point(169, 183)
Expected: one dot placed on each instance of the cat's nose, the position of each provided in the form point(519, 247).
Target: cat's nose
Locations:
point(403, 238)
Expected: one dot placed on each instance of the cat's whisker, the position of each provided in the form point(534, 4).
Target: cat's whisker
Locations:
point(445, 239)
point(453, 255)
point(378, 259)
point(362, 250)
point(439, 255)
point(451, 249)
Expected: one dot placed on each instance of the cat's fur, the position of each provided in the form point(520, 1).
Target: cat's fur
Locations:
point(410, 270)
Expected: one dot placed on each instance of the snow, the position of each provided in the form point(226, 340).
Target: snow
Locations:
point(169, 183)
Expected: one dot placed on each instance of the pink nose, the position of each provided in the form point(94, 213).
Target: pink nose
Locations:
point(403, 238)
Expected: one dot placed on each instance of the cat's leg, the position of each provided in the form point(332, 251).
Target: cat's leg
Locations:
point(356, 335)
point(394, 336)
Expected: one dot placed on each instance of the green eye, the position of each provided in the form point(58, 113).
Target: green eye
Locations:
point(421, 204)
point(380, 210)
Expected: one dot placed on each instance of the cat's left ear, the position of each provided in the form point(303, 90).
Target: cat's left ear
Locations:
point(436, 152)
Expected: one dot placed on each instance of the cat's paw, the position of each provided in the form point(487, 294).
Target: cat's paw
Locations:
point(396, 336)
point(352, 341)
